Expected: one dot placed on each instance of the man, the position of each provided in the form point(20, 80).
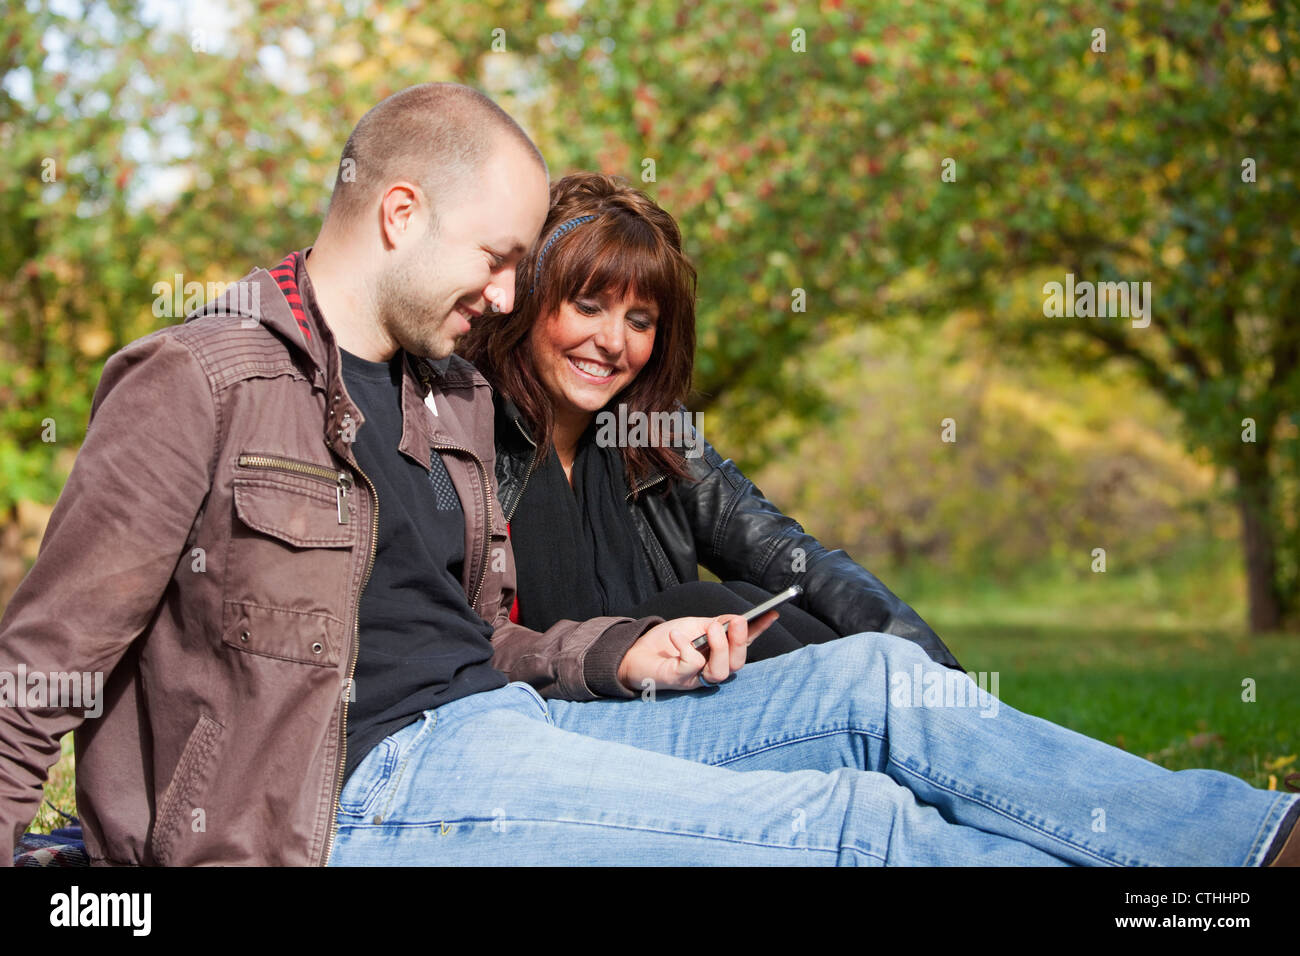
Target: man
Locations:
point(281, 544)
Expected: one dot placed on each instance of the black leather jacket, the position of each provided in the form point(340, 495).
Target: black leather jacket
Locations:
point(723, 522)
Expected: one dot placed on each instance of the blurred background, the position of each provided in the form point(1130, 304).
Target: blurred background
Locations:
point(874, 195)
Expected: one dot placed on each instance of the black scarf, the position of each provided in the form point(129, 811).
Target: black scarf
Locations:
point(577, 553)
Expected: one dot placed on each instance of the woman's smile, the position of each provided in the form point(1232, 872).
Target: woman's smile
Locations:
point(598, 373)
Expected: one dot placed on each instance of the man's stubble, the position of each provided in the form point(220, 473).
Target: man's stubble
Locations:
point(407, 312)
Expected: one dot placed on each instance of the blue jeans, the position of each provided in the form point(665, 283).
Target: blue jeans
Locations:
point(861, 751)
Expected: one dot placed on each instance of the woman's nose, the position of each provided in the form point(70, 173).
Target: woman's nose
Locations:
point(609, 337)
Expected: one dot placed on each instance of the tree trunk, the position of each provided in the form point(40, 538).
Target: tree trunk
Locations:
point(1254, 498)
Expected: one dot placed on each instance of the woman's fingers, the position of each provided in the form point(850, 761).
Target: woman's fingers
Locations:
point(689, 660)
point(728, 638)
point(718, 667)
point(738, 637)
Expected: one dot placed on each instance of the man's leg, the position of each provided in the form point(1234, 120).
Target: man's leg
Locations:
point(877, 702)
point(488, 780)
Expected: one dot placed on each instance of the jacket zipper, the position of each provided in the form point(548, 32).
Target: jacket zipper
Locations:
point(519, 496)
point(341, 480)
point(487, 525)
point(426, 381)
point(352, 666)
point(665, 566)
point(639, 488)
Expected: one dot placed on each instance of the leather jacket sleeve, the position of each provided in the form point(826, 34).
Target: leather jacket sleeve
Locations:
point(740, 535)
point(110, 548)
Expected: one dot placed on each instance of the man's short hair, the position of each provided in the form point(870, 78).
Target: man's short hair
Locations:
point(437, 135)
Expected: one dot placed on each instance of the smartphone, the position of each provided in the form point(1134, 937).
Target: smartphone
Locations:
point(789, 594)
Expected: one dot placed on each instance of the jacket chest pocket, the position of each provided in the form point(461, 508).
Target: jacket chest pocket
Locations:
point(290, 563)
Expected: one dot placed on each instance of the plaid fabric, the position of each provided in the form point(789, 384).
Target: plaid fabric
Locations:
point(63, 847)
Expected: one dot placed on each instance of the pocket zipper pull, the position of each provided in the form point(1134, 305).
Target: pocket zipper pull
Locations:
point(341, 495)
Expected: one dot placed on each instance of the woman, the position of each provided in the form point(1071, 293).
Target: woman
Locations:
point(605, 323)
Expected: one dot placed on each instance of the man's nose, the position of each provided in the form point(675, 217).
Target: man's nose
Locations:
point(502, 294)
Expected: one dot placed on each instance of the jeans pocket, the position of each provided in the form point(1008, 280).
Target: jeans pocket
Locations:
point(536, 698)
point(369, 778)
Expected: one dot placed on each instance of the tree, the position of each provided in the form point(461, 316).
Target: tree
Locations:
point(830, 165)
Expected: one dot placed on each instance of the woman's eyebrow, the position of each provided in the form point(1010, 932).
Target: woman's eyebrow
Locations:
point(649, 308)
point(644, 305)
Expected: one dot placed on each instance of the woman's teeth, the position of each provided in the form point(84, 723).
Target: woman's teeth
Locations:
point(600, 371)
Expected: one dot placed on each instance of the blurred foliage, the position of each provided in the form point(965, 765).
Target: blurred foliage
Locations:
point(800, 147)
point(1040, 470)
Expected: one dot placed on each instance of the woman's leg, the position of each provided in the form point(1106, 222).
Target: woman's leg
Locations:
point(878, 703)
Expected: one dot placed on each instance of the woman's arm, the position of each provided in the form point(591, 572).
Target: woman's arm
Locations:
point(740, 535)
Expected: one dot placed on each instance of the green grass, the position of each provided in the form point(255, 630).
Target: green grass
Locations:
point(1173, 696)
point(60, 790)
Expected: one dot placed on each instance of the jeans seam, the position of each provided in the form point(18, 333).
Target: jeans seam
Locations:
point(373, 791)
point(531, 691)
point(624, 826)
point(783, 742)
point(1100, 858)
point(1259, 846)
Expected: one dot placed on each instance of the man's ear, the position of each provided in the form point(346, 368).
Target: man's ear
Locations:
point(403, 210)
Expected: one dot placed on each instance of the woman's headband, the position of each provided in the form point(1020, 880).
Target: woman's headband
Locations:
point(560, 230)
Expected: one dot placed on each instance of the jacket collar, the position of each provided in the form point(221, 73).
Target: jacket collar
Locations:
point(272, 299)
point(510, 424)
point(511, 427)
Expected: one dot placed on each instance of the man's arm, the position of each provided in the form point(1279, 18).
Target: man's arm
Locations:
point(112, 544)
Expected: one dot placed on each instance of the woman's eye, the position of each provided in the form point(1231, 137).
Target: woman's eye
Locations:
point(642, 325)
point(586, 308)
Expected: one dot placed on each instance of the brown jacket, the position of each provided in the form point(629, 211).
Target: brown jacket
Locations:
point(206, 557)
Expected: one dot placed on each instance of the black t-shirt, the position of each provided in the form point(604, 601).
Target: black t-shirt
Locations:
point(421, 644)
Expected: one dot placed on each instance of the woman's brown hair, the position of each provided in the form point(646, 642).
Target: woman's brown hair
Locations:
point(631, 246)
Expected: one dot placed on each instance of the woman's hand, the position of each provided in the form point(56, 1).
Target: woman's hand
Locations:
point(664, 655)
